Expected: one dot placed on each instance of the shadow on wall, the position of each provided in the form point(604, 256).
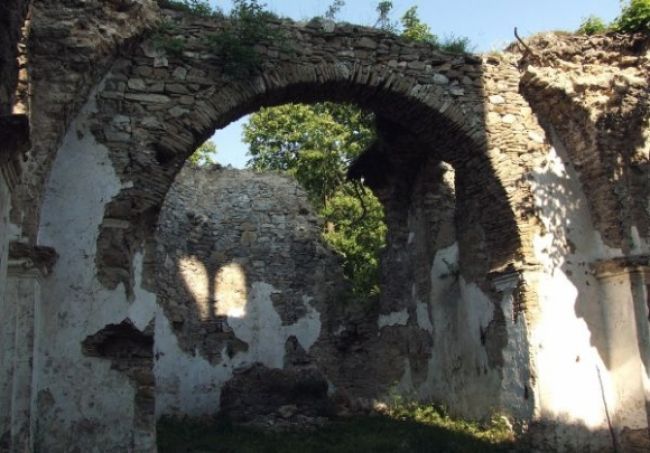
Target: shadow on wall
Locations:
point(593, 193)
point(242, 267)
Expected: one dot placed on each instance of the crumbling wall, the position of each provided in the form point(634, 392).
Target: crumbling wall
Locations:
point(69, 49)
point(591, 193)
point(12, 17)
point(75, 306)
point(592, 95)
point(243, 278)
point(522, 269)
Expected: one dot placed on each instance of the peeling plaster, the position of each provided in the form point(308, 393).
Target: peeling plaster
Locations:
point(189, 384)
point(396, 318)
point(262, 327)
point(571, 338)
point(74, 303)
point(422, 312)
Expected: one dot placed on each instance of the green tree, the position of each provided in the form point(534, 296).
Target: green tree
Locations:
point(315, 143)
point(416, 30)
point(592, 25)
point(383, 16)
point(635, 16)
point(334, 9)
point(204, 155)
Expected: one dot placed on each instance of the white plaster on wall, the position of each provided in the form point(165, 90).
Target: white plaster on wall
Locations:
point(458, 372)
point(188, 384)
point(75, 304)
point(570, 337)
point(185, 383)
point(422, 312)
point(262, 327)
point(396, 318)
point(441, 278)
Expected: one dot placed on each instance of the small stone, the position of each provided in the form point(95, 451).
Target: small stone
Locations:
point(288, 410)
point(177, 88)
point(496, 99)
point(417, 65)
point(328, 25)
point(440, 79)
point(457, 91)
point(508, 118)
point(160, 62)
point(179, 73)
point(178, 111)
point(137, 84)
point(367, 43)
point(148, 98)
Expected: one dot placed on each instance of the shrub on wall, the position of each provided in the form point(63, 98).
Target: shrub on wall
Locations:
point(592, 25)
point(634, 17)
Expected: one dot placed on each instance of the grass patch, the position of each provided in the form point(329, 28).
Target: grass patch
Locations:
point(408, 428)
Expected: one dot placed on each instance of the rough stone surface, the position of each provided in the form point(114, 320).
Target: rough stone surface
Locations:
point(259, 391)
point(223, 233)
point(521, 285)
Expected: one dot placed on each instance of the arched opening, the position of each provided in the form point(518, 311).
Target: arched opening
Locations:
point(435, 264)
point(429, 111)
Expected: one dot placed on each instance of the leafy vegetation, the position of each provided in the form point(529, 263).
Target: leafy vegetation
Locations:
point(247, 27)
point(415, 30)
point(163, 38)
point(383, 16)
point(315, 144)
point(204, 155)
point(634, 17)
point(592, 25)
point(196, 7)
point(411, 428)
point(334, 8)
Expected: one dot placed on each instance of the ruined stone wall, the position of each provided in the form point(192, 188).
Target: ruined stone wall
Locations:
point(243, 279)
point(548, 300)
point(591, 193)
point(592, 95)
point(12, 16)
point(70, 46)
point(76, 307)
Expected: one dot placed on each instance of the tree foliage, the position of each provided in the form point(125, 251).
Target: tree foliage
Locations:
point(315, 143)
point(592, 25)
point(416, 30)
point(413, 29)
point(383, 16)
point(635, 16)
point(248, 26)
point(204, 155)
point(334, 8)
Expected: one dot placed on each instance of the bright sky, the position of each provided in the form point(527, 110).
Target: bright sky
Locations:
point(488, 24)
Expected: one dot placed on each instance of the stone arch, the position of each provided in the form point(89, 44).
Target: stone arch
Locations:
point(446, 117)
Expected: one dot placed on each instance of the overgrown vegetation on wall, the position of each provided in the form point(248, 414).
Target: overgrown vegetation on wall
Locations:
point(247, 26)
point(634, 17)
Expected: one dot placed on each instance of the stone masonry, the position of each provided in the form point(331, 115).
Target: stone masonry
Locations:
point(515, 186)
